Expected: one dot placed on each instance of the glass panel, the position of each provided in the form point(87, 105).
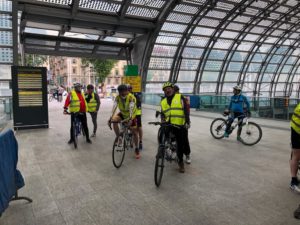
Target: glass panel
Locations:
point(174, 27)
point(161, 50)
point(40, 42)
point(248, 87)
point(245, 46)
point(250, 77)
point(5, 5)
point(100, 5)
point(213, 65)
point(267, 77)
point(217, 54)
point(271, 68)
point(41, 31)
point(175, 17)
point(197, 41)
point(258, 57)
point(81, 36)
point(75, 45)
point(265, 87)
point(160, 63)
point(154, 88)
point(186, 9)
point(156, 3)
point(189, 64)
point(291, 60)
point(295, 88)
point(280, 87)
point(6, 55)
point(186, 75)
point(229, 34)
point(254, 67)
point(141, 12)
point(115, 39)
point(282, 77)
point(186, 88)
point(296, 78)
point(239, 56)
point(5, 21)
point(192, 52)
point(158, 75)
point(231, 76)
point(210, 76)
point(6, 38)
point(276, 58)
point(203, 31)
point(167, 40)
point(235, 66)
point(228, 87)
point(208, 87)
point(286, 69)
point(223, 44)
point(264, 48)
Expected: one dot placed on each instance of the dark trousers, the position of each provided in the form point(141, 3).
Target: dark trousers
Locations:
point(94, 119)
point(82, 118)
point(235, 115)
point(183, 145)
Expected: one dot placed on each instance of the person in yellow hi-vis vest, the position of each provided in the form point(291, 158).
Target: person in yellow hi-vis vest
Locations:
point(76, 104)
point(93, 102)
point(138, 116)
point(295, 144)
point(174, 110)
point(126, 103)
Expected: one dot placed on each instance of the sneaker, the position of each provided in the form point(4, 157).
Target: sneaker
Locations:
point(70, 141)
point(137, 154)
point(297, 213)
point(140, 146)
point(188, 159)
point(226, 134)
point(89, 141)
point(181, 167)
point(93, 135)
point(295, 188)
point(238, 138)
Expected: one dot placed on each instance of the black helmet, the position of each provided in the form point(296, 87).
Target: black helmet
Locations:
point(90, 87)
point(122, 87)
point(176, 88)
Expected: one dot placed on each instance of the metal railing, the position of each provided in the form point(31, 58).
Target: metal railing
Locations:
point(275, 108)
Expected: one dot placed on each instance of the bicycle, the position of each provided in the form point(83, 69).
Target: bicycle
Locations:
point(122, 142)
point(167, 149)
point(77, 128)
point(250, 133)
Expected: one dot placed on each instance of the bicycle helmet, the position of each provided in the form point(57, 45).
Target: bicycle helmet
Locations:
point(167, 84)
point(90, 87)
point(237, 87)
point(76, 85)
point(176, 88)
point(122, 87)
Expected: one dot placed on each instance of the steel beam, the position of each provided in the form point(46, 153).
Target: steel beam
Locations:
point(15, 32)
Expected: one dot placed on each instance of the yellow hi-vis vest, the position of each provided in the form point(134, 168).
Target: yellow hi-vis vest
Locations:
point(124, 108)
point(295, 121)
point(92, 105)
point(139, 112)
point(174, 113)
point(75, 102)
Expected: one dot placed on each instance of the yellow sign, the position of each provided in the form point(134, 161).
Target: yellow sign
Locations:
point(134, 81)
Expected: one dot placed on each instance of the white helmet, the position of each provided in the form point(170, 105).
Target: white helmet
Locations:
point(238, 88)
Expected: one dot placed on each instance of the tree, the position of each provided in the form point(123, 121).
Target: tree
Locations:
point(35, 60)
point(101, 66)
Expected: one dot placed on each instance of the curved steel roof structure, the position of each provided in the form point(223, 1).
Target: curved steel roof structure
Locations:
point(206, 46)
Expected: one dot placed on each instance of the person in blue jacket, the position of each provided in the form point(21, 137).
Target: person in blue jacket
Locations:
point(237, 106)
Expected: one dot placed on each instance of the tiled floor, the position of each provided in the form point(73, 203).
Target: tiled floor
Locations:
point(227, 182)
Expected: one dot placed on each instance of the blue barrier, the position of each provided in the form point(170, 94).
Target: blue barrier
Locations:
point(11, 178)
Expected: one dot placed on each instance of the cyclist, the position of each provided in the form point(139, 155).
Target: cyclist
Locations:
point(126, 103)
point(188, 149)
point(236, 106)
point(295, 143)
point(93, 102)
point(76, 103)
point(138, 116)
point(174, 110)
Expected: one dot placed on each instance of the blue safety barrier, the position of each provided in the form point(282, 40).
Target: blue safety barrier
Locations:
point(10, 178)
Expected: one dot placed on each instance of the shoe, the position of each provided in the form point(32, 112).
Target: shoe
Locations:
point(297, 213)
point(226, 134)
point(137, 154)
point(295, 188)
point(140, 146)
point(70, 141)
point(188, 159)
point(238, 138)
point(89, 141)
point(181, 167)
point(93, 135)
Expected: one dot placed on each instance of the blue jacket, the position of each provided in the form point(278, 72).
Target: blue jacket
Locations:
point(10, 178)
point(238, 102)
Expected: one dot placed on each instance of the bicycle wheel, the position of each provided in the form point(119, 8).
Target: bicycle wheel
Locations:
point(118, 152)
point(159, 165)
point(75, 140)
point(218, 127)
point(251, 133)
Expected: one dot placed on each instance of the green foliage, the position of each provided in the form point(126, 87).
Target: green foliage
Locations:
point(35, 60)
point(101, 66)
